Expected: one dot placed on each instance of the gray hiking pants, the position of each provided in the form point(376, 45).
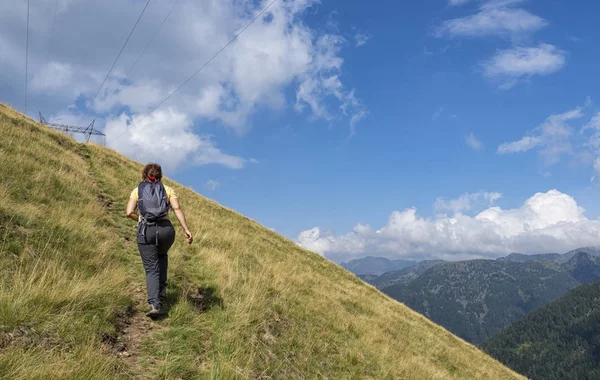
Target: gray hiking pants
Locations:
point(155, 257)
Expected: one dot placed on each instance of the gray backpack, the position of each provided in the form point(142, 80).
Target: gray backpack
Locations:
point(152, 205)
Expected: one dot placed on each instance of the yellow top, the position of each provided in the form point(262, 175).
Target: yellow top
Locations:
point(169, 190)
point(170, 193)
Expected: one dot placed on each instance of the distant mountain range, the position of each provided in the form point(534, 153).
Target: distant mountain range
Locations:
point(560, 258)
point(403, 276)
point(558, 341)
point(375, 265)
point(521, 258)
point(477, 298)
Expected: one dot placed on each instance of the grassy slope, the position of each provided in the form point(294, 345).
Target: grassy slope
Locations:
point(70, 267)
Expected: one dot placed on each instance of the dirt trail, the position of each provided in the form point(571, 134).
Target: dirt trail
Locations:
point(132, 329)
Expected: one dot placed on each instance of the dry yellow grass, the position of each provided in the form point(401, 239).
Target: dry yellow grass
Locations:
point(269, 308)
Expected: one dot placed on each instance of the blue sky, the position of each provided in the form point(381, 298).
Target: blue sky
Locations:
point(411, 148)
point(359, 112)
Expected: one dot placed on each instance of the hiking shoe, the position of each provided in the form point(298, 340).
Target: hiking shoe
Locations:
point(153, 312)
point(163, 294)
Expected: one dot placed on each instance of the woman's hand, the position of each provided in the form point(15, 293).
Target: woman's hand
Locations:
point(188, 236)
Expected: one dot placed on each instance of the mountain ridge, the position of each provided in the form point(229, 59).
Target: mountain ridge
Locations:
point(404, 275)
point(373, 265)
point(477, 298)
point(383, 276)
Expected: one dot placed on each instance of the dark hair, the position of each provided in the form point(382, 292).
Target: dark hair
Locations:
point(152, 170)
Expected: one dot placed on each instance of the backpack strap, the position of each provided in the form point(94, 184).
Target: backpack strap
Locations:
point(139, 202)
point(162, 190)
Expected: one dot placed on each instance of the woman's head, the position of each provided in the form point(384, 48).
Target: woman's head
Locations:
point(152, 172)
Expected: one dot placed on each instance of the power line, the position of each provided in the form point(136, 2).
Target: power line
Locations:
point(194, 74)
point(152, 39)
point(50, 43)
point(116, 59)
point(26, 57)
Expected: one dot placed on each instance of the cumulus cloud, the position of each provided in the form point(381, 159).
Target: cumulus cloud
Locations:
point(278, 55)
point(136, 97)
point(322, 82)
point(322, 242)
point(467, 201)
point(546, 222)
point(166, 137)
point(473, 142)
point(510, 65)
point(552, 138)
point(65, 117)
point(494, 18)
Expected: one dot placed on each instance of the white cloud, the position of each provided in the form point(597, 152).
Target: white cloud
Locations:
point(455, 3)
point(315, 241)
point(354, 121)
point(494, 18)
point(53, 78)
point(510, 65)
point(361, 39)
point(166, 137)
point(555, 138)
point(546, 222)
point(523, 145)
point(597, 167)
point(212, 184)
point(467, 201)
point(66, 117)
point(504, 18)
point(137, 97)
point(552, 137)
point(279, 54)
point(322, 83)
point(593, 124)
point(322, 242)
point(592, 141)
point(473, 142)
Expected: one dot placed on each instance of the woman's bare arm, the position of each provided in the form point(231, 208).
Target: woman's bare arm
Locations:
point(130, 212)
point(181, 217)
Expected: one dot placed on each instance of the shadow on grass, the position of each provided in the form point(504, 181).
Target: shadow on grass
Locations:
point(202, 299)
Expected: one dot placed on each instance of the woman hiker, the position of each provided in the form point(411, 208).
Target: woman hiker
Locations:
point(155, 233)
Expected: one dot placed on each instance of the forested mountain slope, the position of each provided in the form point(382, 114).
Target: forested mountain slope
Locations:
point(477, 298)
point(558, 341)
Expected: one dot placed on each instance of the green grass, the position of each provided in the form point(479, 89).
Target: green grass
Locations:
point(245, 303)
